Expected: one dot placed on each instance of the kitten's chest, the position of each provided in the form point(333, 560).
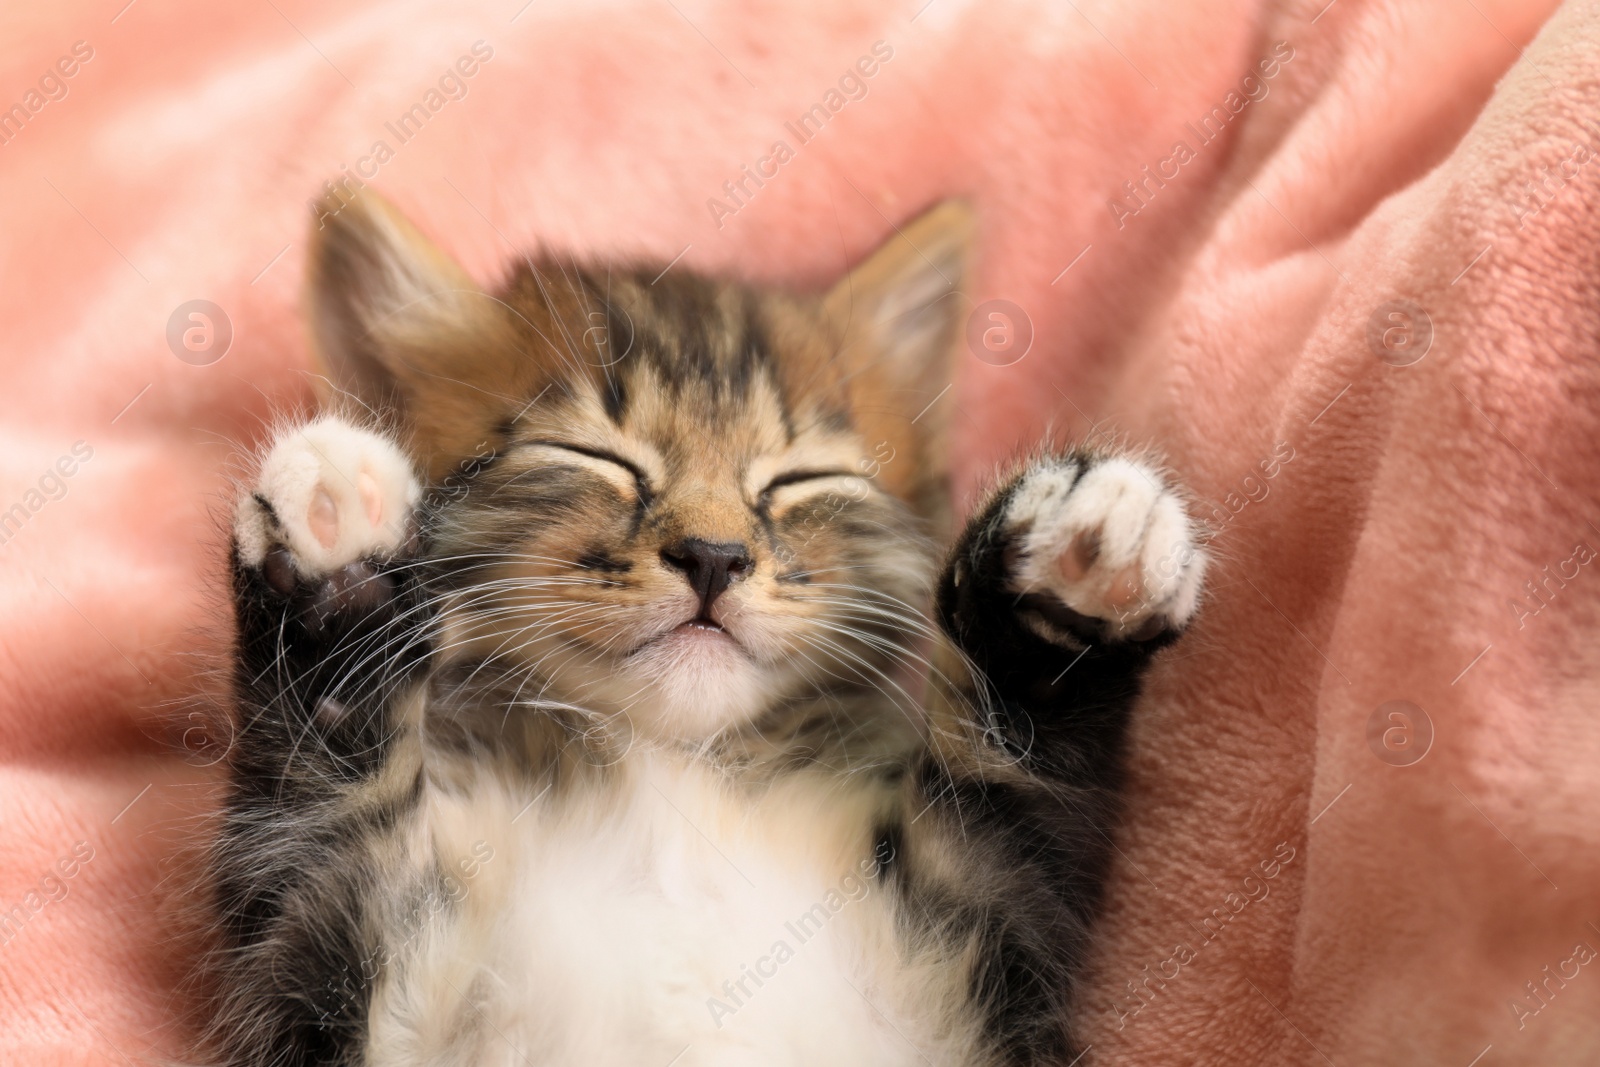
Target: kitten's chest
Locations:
point(667, 913)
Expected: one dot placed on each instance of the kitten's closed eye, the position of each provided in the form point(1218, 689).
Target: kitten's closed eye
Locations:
point(641, 483)
point(796, 477)
point(804, 477)
point(807, 481)
point(801, 485)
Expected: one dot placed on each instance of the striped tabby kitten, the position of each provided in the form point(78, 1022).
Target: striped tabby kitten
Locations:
point(602, 700)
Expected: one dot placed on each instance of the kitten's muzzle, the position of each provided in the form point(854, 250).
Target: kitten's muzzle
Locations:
point(708, 566)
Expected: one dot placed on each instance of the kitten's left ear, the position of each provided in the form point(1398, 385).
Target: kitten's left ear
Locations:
point(899, 314)
point(400, 326)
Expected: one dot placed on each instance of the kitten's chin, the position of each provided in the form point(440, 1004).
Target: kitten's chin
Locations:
point(695, 681)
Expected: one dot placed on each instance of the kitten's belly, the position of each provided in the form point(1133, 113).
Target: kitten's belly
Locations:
point(664, 920)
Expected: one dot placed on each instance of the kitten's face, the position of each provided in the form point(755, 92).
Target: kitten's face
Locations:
point(700, 501)
point(684, 536)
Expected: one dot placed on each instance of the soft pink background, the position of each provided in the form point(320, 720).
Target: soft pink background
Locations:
point(1227, 316)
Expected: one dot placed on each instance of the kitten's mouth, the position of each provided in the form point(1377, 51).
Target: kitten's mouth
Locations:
point(700, 633)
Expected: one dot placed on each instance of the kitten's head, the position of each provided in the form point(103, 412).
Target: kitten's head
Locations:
point(674, 498)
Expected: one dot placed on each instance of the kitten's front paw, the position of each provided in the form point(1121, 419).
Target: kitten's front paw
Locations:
point(330, 500)
point(1103, 549)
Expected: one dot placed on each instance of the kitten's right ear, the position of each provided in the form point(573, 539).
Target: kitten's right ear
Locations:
point(899, 316)
point(400, 326)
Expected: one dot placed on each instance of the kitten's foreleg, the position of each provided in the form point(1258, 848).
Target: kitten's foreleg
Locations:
point(330, 610)
point(1059, 591)
point(1064, 583)
point(334, 628)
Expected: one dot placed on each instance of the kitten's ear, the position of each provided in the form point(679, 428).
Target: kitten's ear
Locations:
point(398, 324)
point(900, 313)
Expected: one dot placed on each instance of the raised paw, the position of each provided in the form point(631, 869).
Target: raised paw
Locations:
point(1107, 540)
point(330, 500)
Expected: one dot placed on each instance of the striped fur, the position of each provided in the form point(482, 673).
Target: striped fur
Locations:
point(655, 659)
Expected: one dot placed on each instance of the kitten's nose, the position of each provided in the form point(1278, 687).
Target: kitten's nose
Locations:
point(709, 566)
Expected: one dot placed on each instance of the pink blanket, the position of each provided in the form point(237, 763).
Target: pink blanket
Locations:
point(1338, 261)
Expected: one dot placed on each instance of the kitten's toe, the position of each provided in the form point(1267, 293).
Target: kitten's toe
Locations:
point(329, 499)
point(1103, 549)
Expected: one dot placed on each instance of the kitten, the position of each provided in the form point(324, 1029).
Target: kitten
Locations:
point(602, 699)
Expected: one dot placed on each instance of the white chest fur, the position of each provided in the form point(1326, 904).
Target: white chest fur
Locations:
point(665, 918)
